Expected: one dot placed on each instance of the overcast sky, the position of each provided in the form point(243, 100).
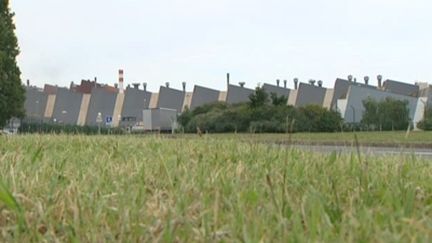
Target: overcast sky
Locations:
point(199, 41)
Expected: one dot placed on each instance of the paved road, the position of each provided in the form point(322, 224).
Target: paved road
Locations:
point(379, 151)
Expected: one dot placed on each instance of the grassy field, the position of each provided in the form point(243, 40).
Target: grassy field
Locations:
point(397, 138)
point(144, 189)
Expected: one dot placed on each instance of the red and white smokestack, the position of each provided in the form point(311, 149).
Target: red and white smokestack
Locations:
point(121, 80)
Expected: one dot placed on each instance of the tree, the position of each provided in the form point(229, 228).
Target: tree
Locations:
point(278, 100)
point(388, 114)
point(12, 93)
point(258, 98)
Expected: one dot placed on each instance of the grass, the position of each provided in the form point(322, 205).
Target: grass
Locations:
point(396, 138)
point(129, 189)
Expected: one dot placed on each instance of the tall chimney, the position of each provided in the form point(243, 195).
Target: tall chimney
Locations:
point(320, 83)
point(95, 79)
point(28, 82)
point(184, 86)
point(167, 84)
point(121, 80)
point(277, 82)
point(366, 80)
point(145, 86)
point(242, 84)
point(228, 79)
point(285, 83)
point(379, 77)
point(296, 83)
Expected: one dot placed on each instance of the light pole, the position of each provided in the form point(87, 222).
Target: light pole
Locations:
point(64, 112)
point(99, 121)
point(353, 109)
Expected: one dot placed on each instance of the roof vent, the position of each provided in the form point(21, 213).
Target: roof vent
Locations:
point(145, 86)
point(242, 84)
point(285, 83)
point(228, 79)
point(184, 86)
point(320, 83)
point(136, 85)
point(167, 84)
point(350, 78)
point(312, 81)
point(379, 77)
point(277, 82)
point(296, 80)
point(366, 80)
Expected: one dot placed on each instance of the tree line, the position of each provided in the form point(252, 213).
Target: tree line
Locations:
point(268, 113)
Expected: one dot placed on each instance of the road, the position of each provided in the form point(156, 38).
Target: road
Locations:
point(367, 150)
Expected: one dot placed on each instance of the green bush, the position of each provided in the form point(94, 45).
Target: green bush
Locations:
point(260, 116)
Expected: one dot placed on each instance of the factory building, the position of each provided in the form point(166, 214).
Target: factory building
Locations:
point(81, 104)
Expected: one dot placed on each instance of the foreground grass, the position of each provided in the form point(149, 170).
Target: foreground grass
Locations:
point(128, 189)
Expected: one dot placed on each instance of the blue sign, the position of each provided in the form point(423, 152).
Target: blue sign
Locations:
point(108, 119)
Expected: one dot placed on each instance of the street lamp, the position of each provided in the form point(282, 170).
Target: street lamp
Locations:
point(353, 109)
point(64, 112)
point(99, 121)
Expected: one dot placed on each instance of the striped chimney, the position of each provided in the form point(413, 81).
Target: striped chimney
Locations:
point(121, 80)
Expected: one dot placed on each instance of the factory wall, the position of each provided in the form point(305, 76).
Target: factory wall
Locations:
point(279, 91)
point(310, 95)
point(397, 87)
point(202, 95)
point(237, 94)
point(171, 99)
point(67, 106)
point(135, 101)
point(35, 103)
point(100, 101)
point(341, 89)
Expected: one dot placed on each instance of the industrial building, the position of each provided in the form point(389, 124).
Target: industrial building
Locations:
point(81, 104)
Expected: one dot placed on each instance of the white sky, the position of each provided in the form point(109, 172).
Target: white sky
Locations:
point(199, 41)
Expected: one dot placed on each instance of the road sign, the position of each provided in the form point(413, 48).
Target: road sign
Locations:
point(108, 120)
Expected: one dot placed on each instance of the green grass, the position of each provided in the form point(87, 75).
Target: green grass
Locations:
point(141, 189)
point(397, 138)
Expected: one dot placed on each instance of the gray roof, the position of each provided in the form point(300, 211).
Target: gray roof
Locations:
point(100, 101)
point(171, 98)
point(237, 94)
point(202, 95)
point(135, 101)
point(341, 88)
point(401, 88)
point(356, 95)
point(280, 91)
point(310, 95)
point(67, 106)
point(35, 103)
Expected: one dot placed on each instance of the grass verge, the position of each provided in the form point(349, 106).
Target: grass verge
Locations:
point(130, 188)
